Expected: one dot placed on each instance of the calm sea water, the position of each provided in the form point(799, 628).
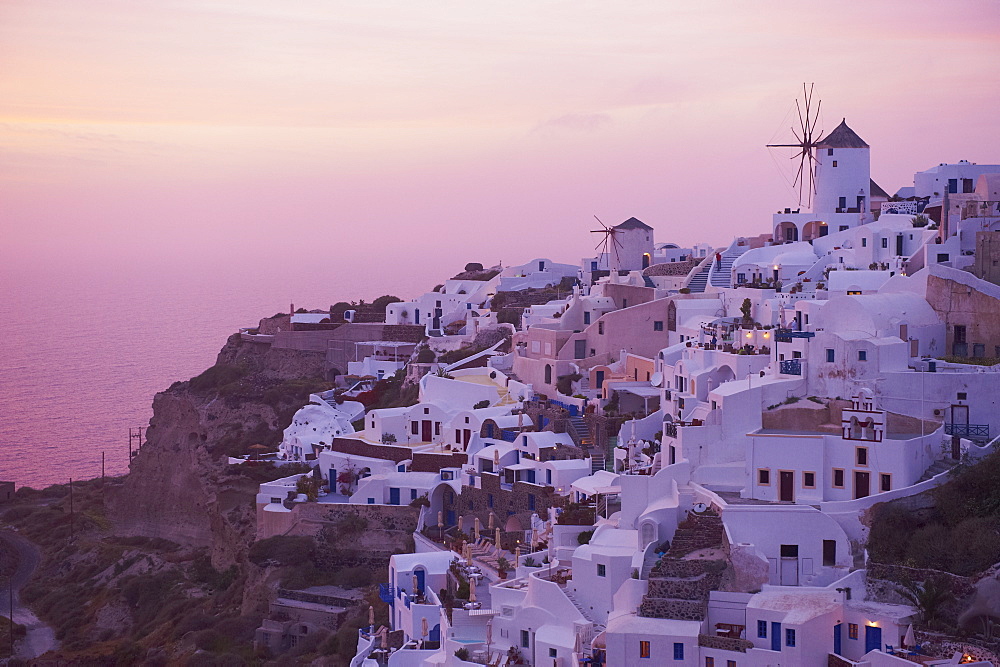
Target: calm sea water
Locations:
point(84, 350)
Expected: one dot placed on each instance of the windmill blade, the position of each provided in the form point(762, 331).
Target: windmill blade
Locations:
point(602, 222)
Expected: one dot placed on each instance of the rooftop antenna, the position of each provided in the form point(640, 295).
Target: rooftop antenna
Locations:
point(808, 140)
point(609, 239)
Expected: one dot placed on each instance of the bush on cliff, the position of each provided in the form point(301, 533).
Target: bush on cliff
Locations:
point(217, 376)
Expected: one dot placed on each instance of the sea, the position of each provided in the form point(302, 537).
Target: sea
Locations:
point(85, 347)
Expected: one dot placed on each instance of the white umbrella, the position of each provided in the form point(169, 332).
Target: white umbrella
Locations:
point(384, 634)
point(371, 617)
point(460, 524)
point(489, 633)
point(476, 528)
point(423, 627)
point(472, 590)
point(492, 516)
point(440, 519)
point(517, 556)
point(416, 591)
point(909, 639)
point(498, 538)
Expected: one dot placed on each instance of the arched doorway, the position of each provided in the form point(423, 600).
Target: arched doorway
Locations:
point(814, 230)
point(786, 232)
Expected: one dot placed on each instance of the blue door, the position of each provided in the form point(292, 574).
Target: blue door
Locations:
point(873, 638)
point(393, 496)
point(333, 480)
point(451, 518)
point(420, 574)
point(775, 636)
point(836, 638)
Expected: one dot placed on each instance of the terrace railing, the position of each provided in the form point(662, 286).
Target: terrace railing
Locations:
point(977, 431)
point(790, 367)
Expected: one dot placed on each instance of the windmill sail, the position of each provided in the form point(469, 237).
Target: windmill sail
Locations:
point(808, 139)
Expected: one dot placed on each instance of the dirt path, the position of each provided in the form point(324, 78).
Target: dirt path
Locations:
point(40, 638)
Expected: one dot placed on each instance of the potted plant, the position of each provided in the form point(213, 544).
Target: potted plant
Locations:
point(502, 566)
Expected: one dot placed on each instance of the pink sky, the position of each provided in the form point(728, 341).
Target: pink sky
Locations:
point(427, 135)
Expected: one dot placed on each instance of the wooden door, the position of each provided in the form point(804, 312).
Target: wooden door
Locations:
point(425, 430)
point(786, 485)
point(862, 484)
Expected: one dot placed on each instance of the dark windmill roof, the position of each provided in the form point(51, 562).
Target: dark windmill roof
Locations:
point(633, 223)
point(842, 137)
point(876, 191)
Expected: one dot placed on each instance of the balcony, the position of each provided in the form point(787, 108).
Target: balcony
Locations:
point(790, 367)
point(972, 431)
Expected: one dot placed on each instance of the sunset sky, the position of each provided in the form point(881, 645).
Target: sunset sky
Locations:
point(428, 134)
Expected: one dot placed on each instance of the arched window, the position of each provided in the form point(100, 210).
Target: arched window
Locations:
point(548, 374)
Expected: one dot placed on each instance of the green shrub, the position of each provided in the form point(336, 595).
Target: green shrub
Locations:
point(217, 376)
point(584, 537)
point(354, 577)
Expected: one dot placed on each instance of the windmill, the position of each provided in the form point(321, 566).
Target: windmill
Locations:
point(808, 140)
point(608, 244)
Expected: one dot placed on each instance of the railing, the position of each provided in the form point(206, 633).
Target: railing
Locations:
point(968, 430)
point(981, 209)
point(790, 367)
point(386, 593)
point(670, 429)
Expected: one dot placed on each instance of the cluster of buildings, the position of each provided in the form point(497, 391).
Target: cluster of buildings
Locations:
point(666, 462)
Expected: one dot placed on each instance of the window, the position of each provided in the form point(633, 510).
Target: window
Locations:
point(586, 317)
point(525, 639)
point(489, 500)
point(960, 333)
point(864, 242)
point(276, 500)
point(796, 354)
point(762, 629)
point(829, 151)
point(709, 661)
point(834, 163)
point(763, 477)
point(838, 478)
point(885, 482)
point(643, 649)
point(789, 637)
point(553, 653)
point(861, 456)
point(809, 480)
point(961, 396)
point(624, 303)
point(658, 325)
point(830, 356)
point(730, 663)
point(602, 570)
point(413, 494)
point(885, 243)
point(852, 630)
point(414, 428)
point(531, 502)
point(371, 501)
point(678, 651)
point(600, 328)
point(829, 553)
point(942, 257)
point(862, 355)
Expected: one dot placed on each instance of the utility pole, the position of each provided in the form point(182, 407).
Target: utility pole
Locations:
point(71, 508)
point(10, 625)
point(134, 434)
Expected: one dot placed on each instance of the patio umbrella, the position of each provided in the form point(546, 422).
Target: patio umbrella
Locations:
point(909, 639)
point(489, 633)
point(496, 460)
point(467, 553)
point(577, 643)
point(416, 591)
point(472, 590)
point(492, 516)
point(498, 538)
point(440, 519)
point(384, 634)
point(534, 537)
point(460, 524)
point(517, 556)
point(371, 618)
point(476, 528)
point(423, 627)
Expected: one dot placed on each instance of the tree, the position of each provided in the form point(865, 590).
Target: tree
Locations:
point(920, 220)
point(473, 266)
point(380, 303)
point(929, 597)
point(747, 309)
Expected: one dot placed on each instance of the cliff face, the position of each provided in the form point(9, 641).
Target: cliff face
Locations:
point(178, 487)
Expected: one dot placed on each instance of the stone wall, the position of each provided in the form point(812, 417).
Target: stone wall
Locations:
point(684, 610)
point(671, 268)
point(959, 304)
point(472, 502)
point(431, 462)
point(396, 522)
point(724, 643)
point(361, 448)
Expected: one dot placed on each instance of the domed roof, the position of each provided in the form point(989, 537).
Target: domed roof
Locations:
point(795, 258)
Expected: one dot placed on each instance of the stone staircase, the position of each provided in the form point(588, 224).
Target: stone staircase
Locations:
point(598, 460)
point(937, 468)
point(699, 280)
point(679, 588)
point(578, 430)
point(587, 614)
point(723, 275)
